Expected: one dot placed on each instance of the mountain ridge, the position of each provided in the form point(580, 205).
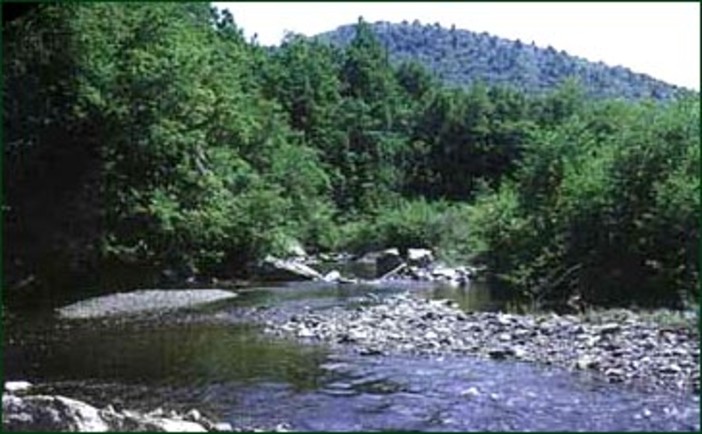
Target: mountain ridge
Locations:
point(462, 57)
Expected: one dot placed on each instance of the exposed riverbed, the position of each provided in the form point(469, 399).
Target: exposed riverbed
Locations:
point(217, 358)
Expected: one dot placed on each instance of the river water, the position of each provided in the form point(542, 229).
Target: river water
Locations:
point(211, 359)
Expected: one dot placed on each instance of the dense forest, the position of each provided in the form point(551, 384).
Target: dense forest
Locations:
point(148, 137)
point(461, 57)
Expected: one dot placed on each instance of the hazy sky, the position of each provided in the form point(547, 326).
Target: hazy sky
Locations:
point(659, 39)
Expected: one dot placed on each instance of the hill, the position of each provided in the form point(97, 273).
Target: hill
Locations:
point(461, 57)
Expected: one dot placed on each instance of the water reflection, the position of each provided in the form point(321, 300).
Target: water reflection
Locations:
point(157, 354)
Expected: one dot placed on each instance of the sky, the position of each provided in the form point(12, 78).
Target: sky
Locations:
point(661, 39)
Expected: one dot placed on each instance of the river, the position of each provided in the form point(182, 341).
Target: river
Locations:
point(213, 359)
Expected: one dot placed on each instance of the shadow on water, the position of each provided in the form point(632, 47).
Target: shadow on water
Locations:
point(157, 354)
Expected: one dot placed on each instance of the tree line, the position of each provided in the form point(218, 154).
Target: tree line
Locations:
point(146, 137)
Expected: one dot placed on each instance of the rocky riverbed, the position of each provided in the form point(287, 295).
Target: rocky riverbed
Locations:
point(622, 346)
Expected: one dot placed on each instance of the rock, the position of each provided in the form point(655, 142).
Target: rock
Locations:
point(500, 353)
point(614, 375)
point(50, 413)
point(305, 333)
point(358, 335)
point(419, 257)
point(332, 276)
point(444, 272)
point(274, 269)
point(59, 413)
point(281, 427)
point(519, 353)
point(172, 425)
point(670, 369)
point(609, 328)
point(471, 392)
point(370, 352)
point(388, 261)
point(193, 415)
point(222, 427)
point(504, 319)
point(504, 337)
point(407, 323)
point(431, 335)
point(585, 362)
point(17, 386)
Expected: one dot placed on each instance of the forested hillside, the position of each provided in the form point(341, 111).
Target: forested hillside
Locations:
point(461, 57)
point(142, 138)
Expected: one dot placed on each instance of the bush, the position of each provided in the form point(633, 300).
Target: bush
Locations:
point(609, 214)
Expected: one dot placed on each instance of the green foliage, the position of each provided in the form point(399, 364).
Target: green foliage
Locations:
point(591, 213)
point(154, 137)
point(463, 58)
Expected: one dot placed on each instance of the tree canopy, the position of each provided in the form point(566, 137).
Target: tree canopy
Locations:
point(148, 137)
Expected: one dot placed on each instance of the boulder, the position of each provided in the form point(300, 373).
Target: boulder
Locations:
point(59, 413)
point(50, 413)
point(443, 272)
point(332, 276)
point(275, 269)
point(419, 257)
point(335, 276)
point(388, 261)
point(17, 386)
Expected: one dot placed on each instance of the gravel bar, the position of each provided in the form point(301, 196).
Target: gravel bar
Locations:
point(622, 346)
point(150, 300)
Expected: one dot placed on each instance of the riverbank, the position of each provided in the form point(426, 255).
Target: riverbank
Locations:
point(621, 346)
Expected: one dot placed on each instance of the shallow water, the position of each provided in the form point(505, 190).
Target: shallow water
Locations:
point(208, 359)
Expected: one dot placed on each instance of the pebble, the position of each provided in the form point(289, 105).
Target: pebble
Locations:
point(623, 348)
point(471, 392)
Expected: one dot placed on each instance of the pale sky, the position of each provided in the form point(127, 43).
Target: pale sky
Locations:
point(660, 39)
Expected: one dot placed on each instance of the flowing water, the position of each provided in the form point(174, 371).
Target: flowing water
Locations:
point(208, 358)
